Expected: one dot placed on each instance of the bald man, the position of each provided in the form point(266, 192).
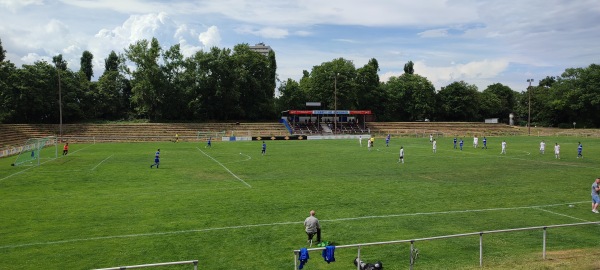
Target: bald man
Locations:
point(312, 227)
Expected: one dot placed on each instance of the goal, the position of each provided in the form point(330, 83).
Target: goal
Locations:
point(36, 149)
point(204, 135)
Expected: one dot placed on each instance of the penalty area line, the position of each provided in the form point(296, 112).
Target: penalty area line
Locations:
point(101, 162)
point(281, 223)
point(221, 164)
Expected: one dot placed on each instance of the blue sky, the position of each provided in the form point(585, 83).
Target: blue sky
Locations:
point(480, 42)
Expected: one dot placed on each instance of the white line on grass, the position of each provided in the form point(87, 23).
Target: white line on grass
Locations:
point(236, 177)
point(101, 162)
point(276, 224)
point(576, 218)
point(247, 158)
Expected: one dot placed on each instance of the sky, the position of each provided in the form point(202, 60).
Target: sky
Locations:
point(479, 42)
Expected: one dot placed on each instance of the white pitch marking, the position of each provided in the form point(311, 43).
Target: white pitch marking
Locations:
point(562, 214)
point(101, 162)
point(224, 168)
point(247, 158)
point(275, 224)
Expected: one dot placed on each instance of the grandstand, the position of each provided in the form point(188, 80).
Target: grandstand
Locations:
point(15, 134)
point(461, 129)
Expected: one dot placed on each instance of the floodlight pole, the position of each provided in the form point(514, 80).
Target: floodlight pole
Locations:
point(59, 103)
point(529, 105)
point(335, 103)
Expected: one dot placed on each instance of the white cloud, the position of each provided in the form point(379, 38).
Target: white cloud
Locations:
point(434, 33)
point(266, 32)
point(31, 57)
point(210, 38)
point(14, 5)
point(480, 73)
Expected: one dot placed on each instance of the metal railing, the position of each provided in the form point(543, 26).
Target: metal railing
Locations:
point(412, 241)
point(194, 262)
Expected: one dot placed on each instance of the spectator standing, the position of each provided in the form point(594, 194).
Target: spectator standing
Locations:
point(595, 197)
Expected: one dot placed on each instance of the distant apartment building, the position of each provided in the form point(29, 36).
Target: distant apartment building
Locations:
point(261, 48)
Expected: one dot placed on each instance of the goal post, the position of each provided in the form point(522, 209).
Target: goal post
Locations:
point(35, 149)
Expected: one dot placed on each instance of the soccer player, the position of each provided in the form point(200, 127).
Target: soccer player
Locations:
point(461, 143)
point(401, 159)
point(430, 138)
point(360, 140)
point(156, 159)
point(595, 197)
point(579, 150)
point(434, 146)
point(372, 141)
point(387, 141)
point(557, 151)
point(66, 149)
point(484, 143)
point(369, 144)
point(208, 143)
point(542, 148)
point(475, 142)
point(264, 148)
point(503, 148)
point(176, 137)
point(454, 142)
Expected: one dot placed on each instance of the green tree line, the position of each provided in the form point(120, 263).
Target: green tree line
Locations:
point(147, 81)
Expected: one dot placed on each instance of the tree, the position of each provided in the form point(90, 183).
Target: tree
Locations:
point(459, 101)
point(291, 96)
point(9, 91)
point(369, 93)
point(412, 97)
point(2, 52)
point(112, 62)
point(147, 80)
point(498, 101)
point(255, 81)
point(175, 98)
point(333, 84)
point(87, 68)
point(59, 63)
point(408, 68)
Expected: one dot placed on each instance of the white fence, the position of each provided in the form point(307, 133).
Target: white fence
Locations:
point(412, 242)
point(194, 262)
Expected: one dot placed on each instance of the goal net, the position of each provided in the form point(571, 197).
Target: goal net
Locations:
point(36, 149)
point(204, 135)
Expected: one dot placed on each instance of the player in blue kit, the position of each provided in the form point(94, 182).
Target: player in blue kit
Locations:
point(579, 150)
point(461, 143)
point(156, 159)
point(454, 142)
point(264, 148)
point(387, 141)
point(484, 143)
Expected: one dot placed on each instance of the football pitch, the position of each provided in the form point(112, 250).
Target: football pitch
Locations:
point(230, 207)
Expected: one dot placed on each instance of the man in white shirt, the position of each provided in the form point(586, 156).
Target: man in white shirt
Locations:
point(503, 148)
point(557, 151)
point(542, 147)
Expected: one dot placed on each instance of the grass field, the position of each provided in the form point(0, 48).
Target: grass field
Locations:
point(232, 208)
